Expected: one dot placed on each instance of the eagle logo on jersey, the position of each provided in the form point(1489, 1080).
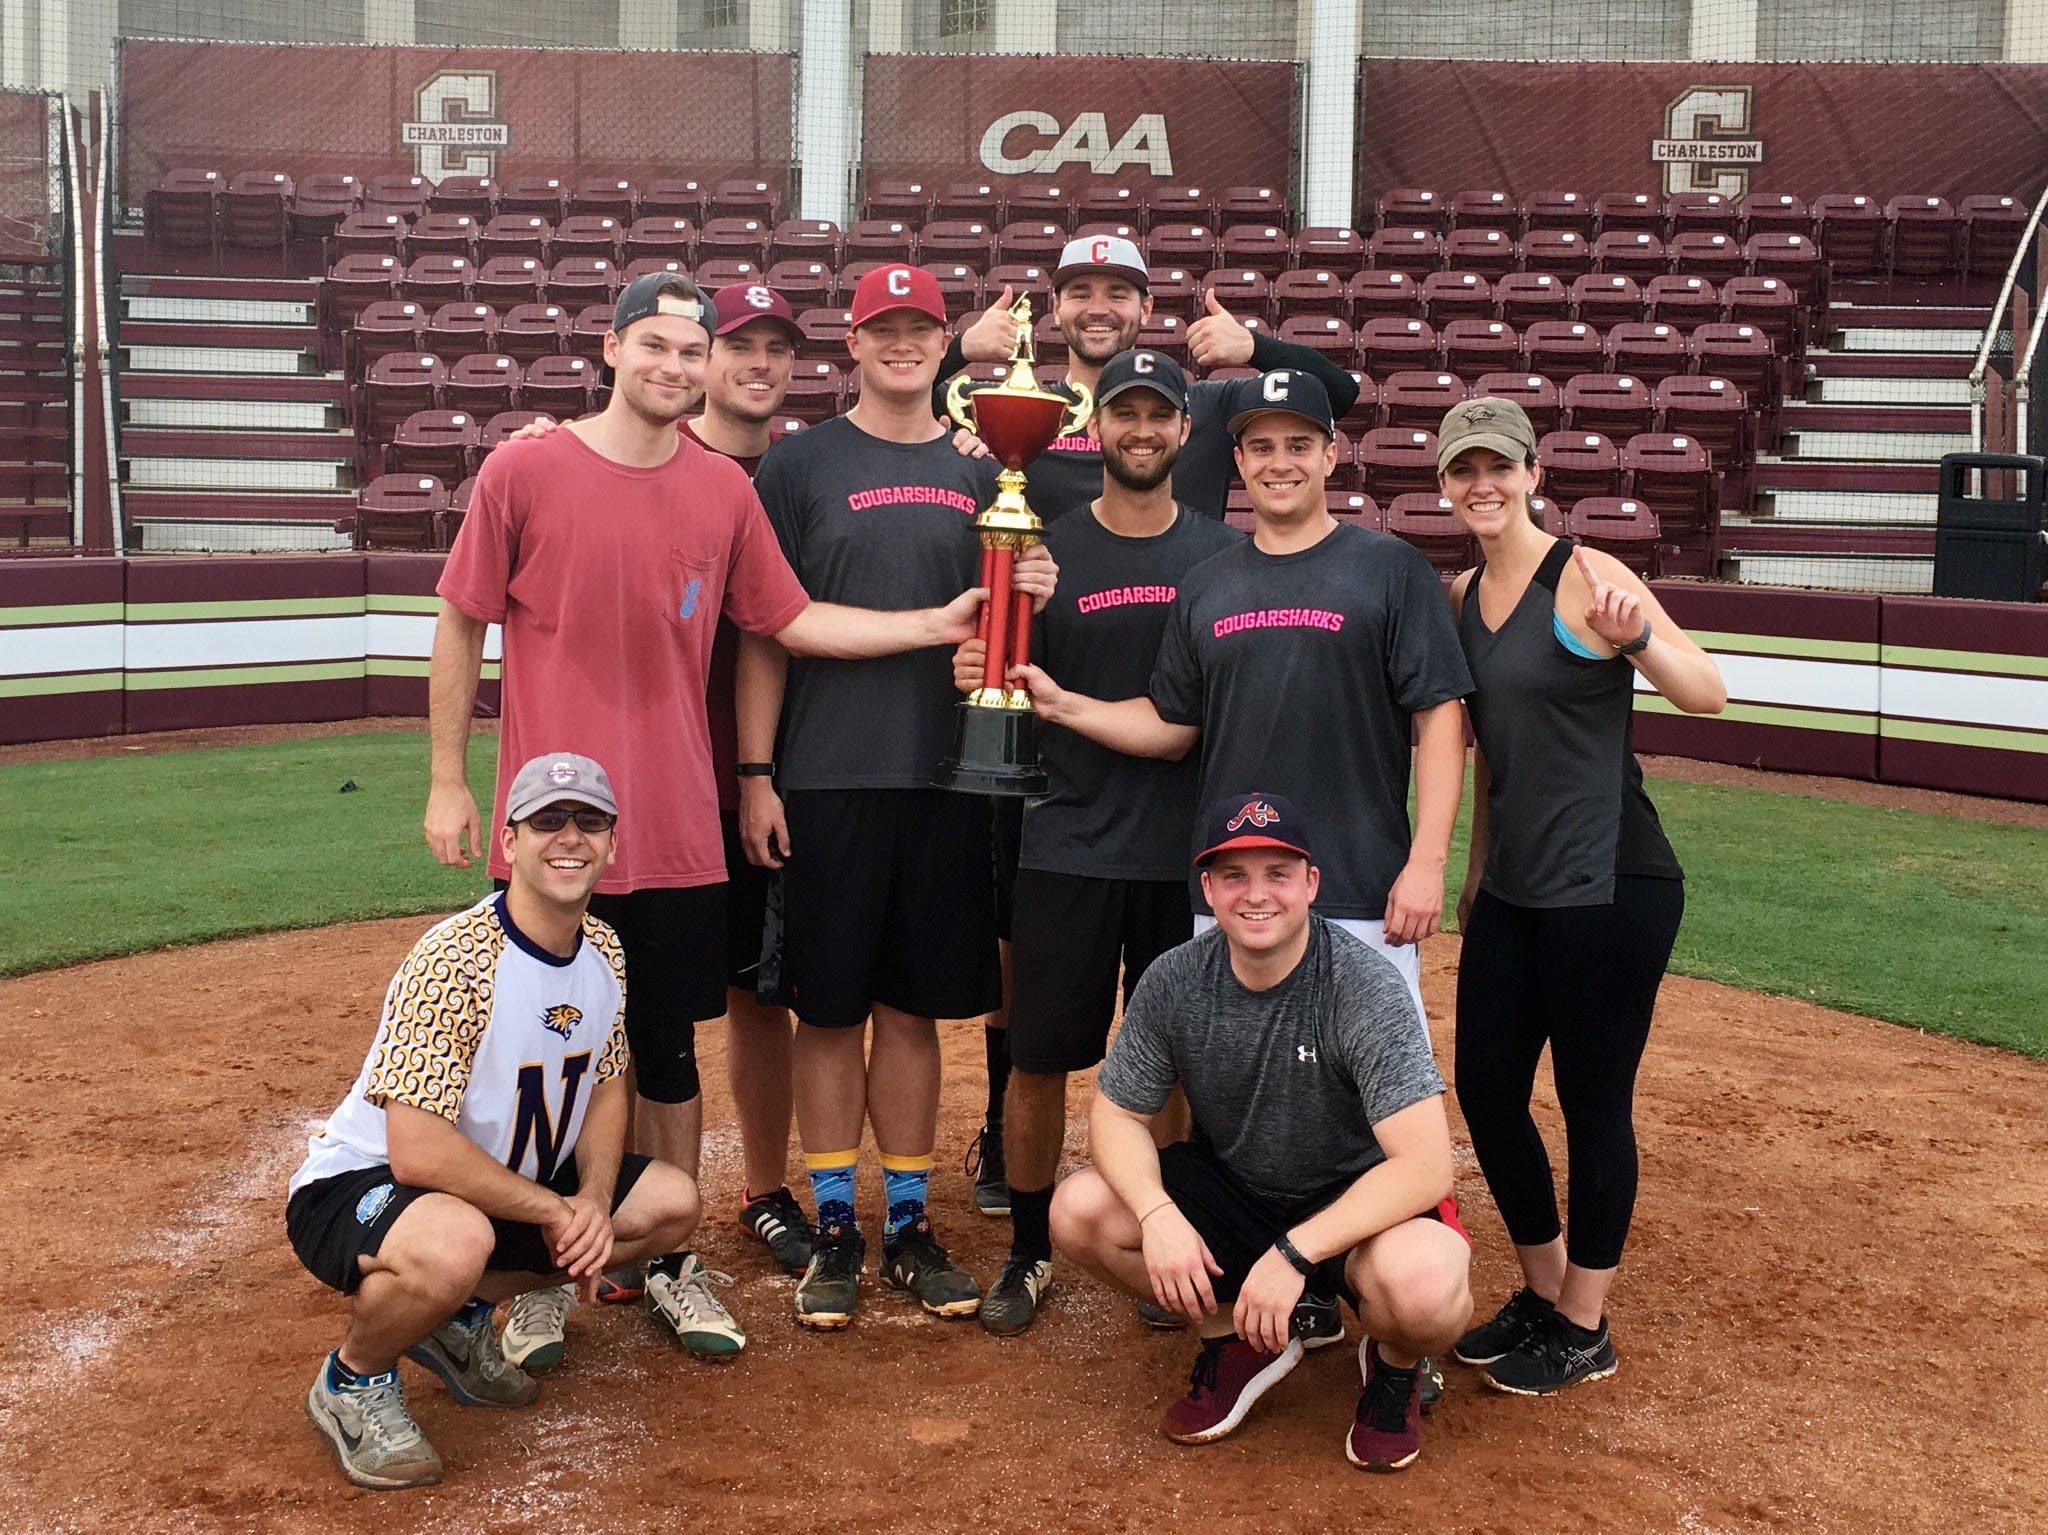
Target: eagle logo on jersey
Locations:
point(1258, 812)
point(562, 1019)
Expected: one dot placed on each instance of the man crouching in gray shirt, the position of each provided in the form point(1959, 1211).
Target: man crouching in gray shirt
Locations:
point(1319, 1158)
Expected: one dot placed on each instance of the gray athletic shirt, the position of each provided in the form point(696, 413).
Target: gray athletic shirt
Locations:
point(1284, 1084)
point(875, 524)
point(1303, 671)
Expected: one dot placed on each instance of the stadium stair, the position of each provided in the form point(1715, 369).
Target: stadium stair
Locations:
point(34, 431)
point(233, 436)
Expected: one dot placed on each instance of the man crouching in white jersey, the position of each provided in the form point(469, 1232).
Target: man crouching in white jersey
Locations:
point(481, 1152)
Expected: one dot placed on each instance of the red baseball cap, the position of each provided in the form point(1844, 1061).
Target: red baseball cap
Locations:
point(1253, 820)
point(742, 303)
point(897, 287)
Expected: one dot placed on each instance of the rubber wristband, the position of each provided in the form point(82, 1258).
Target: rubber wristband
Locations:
point(1293, 1255)
point(1639, 644)
point(1154, 1210)
point(755, 770)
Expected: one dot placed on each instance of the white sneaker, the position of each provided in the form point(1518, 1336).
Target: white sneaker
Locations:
point(687, 1308)
point(533, 1327)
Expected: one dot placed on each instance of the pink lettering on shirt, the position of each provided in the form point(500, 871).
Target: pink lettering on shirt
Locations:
point(911, 495)
point(1280, 618)
point(1123, 597)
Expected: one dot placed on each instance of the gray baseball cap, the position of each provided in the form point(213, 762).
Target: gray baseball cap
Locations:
point(664, 293)
point(1487, 422)
point(555, 776)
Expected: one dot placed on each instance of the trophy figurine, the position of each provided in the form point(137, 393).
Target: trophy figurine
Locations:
point(995, 739)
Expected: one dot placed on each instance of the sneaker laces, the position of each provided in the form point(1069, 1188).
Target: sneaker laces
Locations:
point(693, 1293)
point(1016, 1272)
point(545, 1311)
point(380, 1402)
point(1207, 1363)
point(1386, 1394)
point(977, 1152)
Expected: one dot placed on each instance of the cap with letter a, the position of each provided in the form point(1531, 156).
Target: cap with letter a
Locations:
point(1288, 390)
point(655, 293)
point(1142, 368)
point(553, 777)
point(1101, 253)
point(897, 286)
point(1251, 820)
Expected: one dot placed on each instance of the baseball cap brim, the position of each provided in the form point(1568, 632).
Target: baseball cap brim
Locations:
point(740, 322)
point(1505, 444)
point(1249, 840)
point(1244, 418)
point(1165, 392)
point(1137, 276)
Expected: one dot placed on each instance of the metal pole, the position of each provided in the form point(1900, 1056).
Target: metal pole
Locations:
point(1329, 130)
point(825, 139)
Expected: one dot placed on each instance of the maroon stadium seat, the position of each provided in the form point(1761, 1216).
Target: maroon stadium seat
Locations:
point(1742, 354)
point(482, 384)
point(1550, 517)
point(712, 275)
point(1616, 405)
point(1417, 252)
point(1673, 473)
point(184, 208)
point(366, 234)
point(1850, 229)
point(1318, 291)
point(435, 442)
point(575, 281)
point(1107, 204)
point(666, 235)
point(1419, 398)
point(1111, 228)
point(1771, 305)
point(1388, 294)
point(1252, 205)
point(1034, 241)
point(1563, 211)
point(1651, 352)
point(1794, 259)
point(1344, 474)
point(1033, 277)
point(1166, 333)
point(255, 210)
point(1577, 464)
point(1522, 298)
point(1050, 202)
point(1484, 210)
point(614, 196)
point(880, 240)
point(1264, 248)
point(459, 328)
point(514, 234)
point(1713, 412)
point(1774, 213)
point(1175, 290)
point(1625, 527)
point(458, 508)
point(530, 332)
point(1448, 296)
point(1926, 236)
point(1682, 301)
point(394, 387)
point(587, 331)
point(475, 195)
point(745, 197)
point(1565, 253)
point(1991, 233)
point(1356, 508)
point(674, 197)
point(544, 195)
point(1606, 298)
point(404, 195)
point(1361, 418)
point(977, 202)
point(1329, 247)
point(355, 282)
point(1560, 348)
point(399, 511)
point(733, 237)
point(1246, 294)
point(1716, 256)
point(382, 328)
point(1629, 213)
point(636, 269)
point(444, 234)
point(437, 278)
point(558, 386)
point(1701, 213)
point(805, 240)
point(1179, 204)
point(1327, 334)
point(960, 286)
point(587, 234)
point(1425, 520)
point(816, 390)
point(805, 284)
point(1387, 344)
point(500, 427)
point(824, 332)
point(1411, 208)
point(1473, 348)
point(1630, 253)
point(969, 242)
point(321, 201)
point(504, 281)
point(1397, 460)
point(1537, 396)
point(1178, 243)
point(908, 202)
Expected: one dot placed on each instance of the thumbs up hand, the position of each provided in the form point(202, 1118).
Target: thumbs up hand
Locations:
point(993, 337)
point(1218, 339)
point(1613, 612)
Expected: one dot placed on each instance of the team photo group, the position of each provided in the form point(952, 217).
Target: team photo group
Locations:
point(733, 664)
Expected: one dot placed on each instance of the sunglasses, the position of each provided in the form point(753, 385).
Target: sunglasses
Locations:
point(553, 818)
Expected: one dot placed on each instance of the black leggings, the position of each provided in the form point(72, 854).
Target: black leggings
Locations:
point(1584, 978)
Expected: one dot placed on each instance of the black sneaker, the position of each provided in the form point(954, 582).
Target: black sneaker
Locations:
point(1011, 1304)
point(1160, 1318)
point(1555, 1355)
point(991, 1177)
point(913, 1260)
point(830, 1289)
point(1524, 1312)
point(1432, 1375)
point(1318, 1321)
point(778, 1220)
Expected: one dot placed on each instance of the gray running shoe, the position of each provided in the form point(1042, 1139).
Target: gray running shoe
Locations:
point(913, 1260)
point(1011, 1304)
point(464, 1352)
point(830, 1289)
point(534, 1325)
point(379, 1444)
point(685, 1305)
point(1318, 1320)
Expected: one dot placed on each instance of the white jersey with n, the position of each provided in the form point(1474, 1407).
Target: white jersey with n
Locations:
point(499, 1037)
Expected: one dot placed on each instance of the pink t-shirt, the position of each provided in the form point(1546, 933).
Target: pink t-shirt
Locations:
point(609, 581)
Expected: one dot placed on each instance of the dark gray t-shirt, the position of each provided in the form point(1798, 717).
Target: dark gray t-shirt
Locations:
point(1105, 815)
point(1304, 671)
point(875, 524)
point(1285, 1084)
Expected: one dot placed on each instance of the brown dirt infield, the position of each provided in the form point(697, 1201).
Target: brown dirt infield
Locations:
point(1830, 1319)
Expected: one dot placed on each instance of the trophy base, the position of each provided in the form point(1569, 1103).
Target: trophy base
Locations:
point(995, 752)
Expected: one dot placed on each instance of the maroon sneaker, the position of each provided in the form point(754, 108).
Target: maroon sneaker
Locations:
point(1386, 1431)
point(1229, 1375)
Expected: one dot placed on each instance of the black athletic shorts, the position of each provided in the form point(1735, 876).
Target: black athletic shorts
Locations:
point(746, 907)
point(1070, 935)
point(337, 1220)
point(674, 940)
point(886, 898)
point(1008, 816)
point(1239, 1223)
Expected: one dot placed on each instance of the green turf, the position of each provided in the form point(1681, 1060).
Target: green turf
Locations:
point(1921, 919)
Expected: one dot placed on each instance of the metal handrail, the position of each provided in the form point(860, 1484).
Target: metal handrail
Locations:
point(1977, 369)
point(102, 232)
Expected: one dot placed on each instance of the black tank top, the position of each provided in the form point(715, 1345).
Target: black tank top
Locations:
point(1566, 811)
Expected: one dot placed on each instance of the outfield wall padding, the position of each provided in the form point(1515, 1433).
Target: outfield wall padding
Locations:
point(1936, 693)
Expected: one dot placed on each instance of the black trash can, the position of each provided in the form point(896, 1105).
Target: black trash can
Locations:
point(1988, 546)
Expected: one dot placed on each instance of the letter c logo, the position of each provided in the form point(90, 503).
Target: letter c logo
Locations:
point(899, 282)
point(1275, 386)
point(1141, 362)
point(1099, 252)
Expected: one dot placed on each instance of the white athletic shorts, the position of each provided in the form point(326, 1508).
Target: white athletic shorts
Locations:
point(1406, 957)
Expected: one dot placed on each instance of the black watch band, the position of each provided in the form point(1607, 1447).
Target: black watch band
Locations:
point(756, 770)
point(1292, 1254)
point(1639, 644)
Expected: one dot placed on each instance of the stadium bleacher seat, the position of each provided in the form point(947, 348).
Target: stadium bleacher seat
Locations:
point(903, 200)
point(805, 284)
point(1383, 293)
point(1179, 204)
point(321, 201)
point(1448, 296)
point(968, 242)
point(504, 281)
point(1701, 213)
point(1716, 256)
point(1774, 213)
point(255, 210)
point(1397, 460)
point(501, 426)
point(1308, 292)
point(824, 332)
point(558, 386)
point(1649, 351)
point(611, 196)
point(1849, 228)
point(634, 270)
point(1991, 233)
point(1713, 413)
point(1419, 398)
point(805, 240)
point(1616, 405)
point(959, 285)
point(1411, 208)
point(1630, 253)
point(745, 197)
point(441, 443)
point(593, 322)
point(1181, 244)
point(1623, 526)
point(1627, 213)
point(1251, 205)
point(1743, 355)
point(965, 202)
point(1330, 247)
point(574, 281)
point(394, 388)
point(1328, 334)
point(1266, 248)
point(1388, 344)
point(533, 331)
point(1425, 520)
point(587, 234)
point(880, 240)
point(474, 195)
point(184, 208)
point(1926, 236)
point(1768, 303)
point(1522, 298)
point(1361, 418)
point(1107, 204)
point(1564, 253)
point(816, 390)
point(1578, 463)
point(456, 329)
point(1484, 210)
point(1489, 252)
point(1039, 201)
point(399, 511)
point(366, 234)
point(731, 237)
point(1673, 473)
point(1474, 347)
point(436, 278)
point(447, 234)
point(674, 197)
point(514, 234)
point(381, 328)
point(1605, 298)
point(1682, 301)
point(1166, 333)
point(1356, 508)
point(394, 193)
point(353, 284)
point(544, 195)
point(1560, 348)
point(1418, 252)
point(717, 272)
point(1176, 290)
point(1246, 294)
point(482, 383)
point(1032, 277)
point(1537, 396)
point(1550, 517)
point(1569, 212)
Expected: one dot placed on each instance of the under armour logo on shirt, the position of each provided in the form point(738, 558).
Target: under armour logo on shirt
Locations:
point(1304, 1053)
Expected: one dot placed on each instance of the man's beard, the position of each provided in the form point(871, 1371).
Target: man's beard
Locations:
point(1139, 480)
point(1124, 341)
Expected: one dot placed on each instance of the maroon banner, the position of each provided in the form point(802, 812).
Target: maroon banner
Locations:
point(439, 112)
point(1205, 122)
point(26, 227)
point(1938, 130)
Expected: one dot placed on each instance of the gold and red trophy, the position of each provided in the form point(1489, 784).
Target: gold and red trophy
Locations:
point(995, 739)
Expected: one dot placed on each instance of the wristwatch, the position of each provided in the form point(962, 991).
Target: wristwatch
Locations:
point(1293, 1255)
point(1639, 644)
point(755, 770)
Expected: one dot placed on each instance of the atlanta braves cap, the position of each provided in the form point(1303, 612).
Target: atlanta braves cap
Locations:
point(1142, 368)
point(1101, 253)
point(1288, 390)
point(664, 293)
point(742, 303)
point(1487, 422)
point(1253, 820)
point(897, 287)
point(555, 776)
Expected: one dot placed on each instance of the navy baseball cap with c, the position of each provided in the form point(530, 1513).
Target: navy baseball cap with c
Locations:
point(553, 777)
point(1251, 821)
point(1142, 368)
point(1288, 390)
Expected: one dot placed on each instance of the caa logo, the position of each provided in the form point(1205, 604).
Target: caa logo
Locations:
point(1087, 143)
point(1707, 145)
point(454, 131)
